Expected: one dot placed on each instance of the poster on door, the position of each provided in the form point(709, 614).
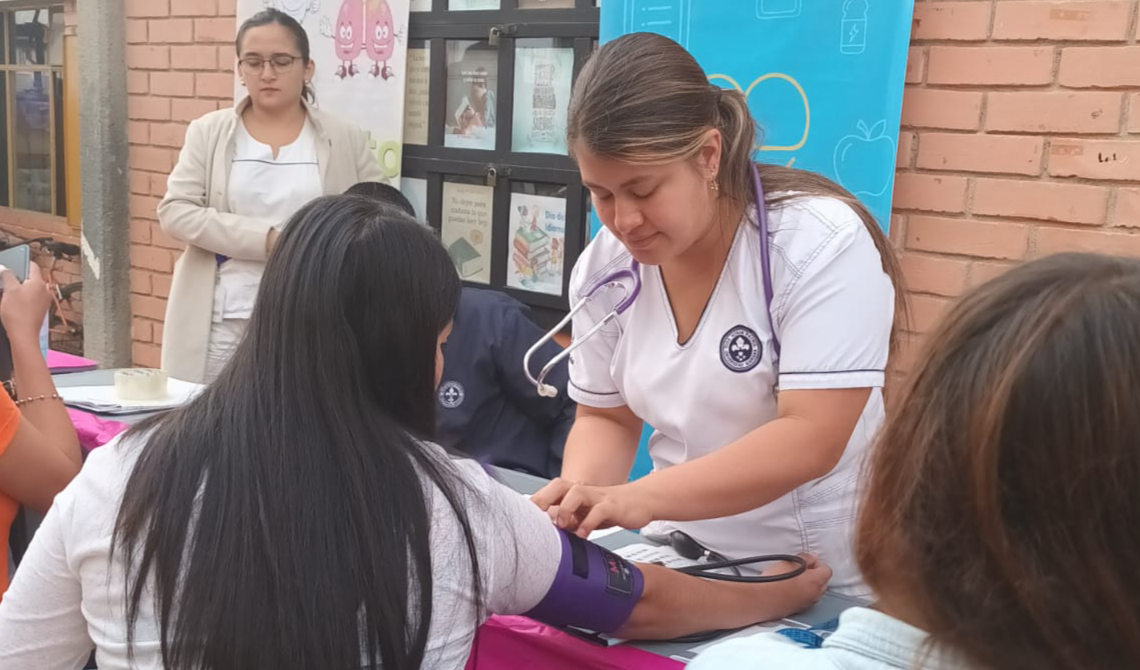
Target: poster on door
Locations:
point(537, 243)
point(824, 79)
point(359, 48)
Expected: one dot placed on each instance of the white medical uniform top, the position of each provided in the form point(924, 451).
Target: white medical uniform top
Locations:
point(833, 308)
point(264, 187)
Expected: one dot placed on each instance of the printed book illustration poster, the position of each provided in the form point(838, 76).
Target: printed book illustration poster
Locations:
point(543, 78)
point(537, 243)
point(472, 95)
point(824, 79)
point(466, 229)
point(360, 51)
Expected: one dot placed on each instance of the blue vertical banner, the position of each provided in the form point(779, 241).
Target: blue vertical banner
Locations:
point(824, 78)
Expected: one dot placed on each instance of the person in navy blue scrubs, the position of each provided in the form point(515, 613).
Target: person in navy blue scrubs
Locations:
point(486, 406)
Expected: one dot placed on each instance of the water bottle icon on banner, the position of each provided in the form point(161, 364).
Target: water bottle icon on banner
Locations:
point(778, 9)
point(853, 34)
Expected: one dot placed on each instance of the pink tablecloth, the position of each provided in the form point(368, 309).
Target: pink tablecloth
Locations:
point(518, 643)
point(93, 431)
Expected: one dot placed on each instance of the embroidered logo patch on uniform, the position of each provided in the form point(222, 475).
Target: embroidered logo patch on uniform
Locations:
point(451, 394)
point(740, 349)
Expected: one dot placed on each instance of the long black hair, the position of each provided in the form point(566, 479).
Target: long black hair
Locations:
point(281, 514)
point(270, 16)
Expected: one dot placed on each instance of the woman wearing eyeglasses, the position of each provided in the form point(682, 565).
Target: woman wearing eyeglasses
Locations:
point(242, 174)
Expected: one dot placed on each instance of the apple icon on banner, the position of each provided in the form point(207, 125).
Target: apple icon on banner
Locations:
point(865, 162)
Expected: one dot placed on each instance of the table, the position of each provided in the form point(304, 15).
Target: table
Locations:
point(98, 378)
point(828, 608)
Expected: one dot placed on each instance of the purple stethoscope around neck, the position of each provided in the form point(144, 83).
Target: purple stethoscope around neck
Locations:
point(633, 273)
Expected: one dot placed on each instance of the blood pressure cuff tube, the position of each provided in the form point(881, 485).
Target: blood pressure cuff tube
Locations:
point(594, 588)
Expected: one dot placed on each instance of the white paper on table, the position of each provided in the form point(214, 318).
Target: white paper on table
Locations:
point(102, 399)
point(653, 553)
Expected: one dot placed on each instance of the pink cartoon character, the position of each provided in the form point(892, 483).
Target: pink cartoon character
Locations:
point(381, 38)
point(349, 37)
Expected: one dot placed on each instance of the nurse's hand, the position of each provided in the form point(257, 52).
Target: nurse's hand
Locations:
point(582, 509)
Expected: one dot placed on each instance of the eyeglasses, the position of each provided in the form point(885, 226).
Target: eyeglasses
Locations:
point(281, 63)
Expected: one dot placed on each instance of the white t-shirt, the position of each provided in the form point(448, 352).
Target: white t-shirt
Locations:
point(265, 187)
point(68, 598)
point(833, 306)
point(865, 640)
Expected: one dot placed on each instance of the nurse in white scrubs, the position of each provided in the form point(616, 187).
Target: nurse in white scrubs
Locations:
point(762, 412)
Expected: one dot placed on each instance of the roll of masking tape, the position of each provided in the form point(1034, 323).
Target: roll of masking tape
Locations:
point(140, 384)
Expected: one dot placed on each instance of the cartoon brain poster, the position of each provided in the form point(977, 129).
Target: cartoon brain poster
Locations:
point(360, 51)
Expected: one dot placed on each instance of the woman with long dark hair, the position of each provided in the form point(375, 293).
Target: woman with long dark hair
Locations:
point(294, 515)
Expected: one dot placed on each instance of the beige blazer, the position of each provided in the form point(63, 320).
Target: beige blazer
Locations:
point(195, 211)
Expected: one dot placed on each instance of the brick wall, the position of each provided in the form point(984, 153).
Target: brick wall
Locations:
point(1020, 138)
point(180, 59)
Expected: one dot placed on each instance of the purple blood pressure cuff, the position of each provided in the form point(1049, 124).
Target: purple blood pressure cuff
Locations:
point(594, 588)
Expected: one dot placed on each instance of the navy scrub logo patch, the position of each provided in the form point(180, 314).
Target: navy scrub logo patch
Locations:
point(740, 349)
point(451, 394)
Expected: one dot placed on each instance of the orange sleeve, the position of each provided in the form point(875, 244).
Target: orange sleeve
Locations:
point(9, 420)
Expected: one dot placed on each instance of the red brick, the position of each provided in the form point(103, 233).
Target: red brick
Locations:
point(905, 150)
point(935, 274)
point(966, 21)
point(146, 355)
point(147, 8)
point(143, 206)
point(167, 134)
point(153, 159)
point(136, 31)
point(161, 287)
point(226, 59)
point(915, 65)
point(1086, 20)
point(158, 184)
point(1127, 212)
point(1114, 160)
point(986, 239)
point(982, 272)
point(188, 110)
point(138, 132)
point(140, 282)
point(934, 108)
point(142, 330)
point(175, 84)
point(152, 258)
point(1134, 113)
point(227, 7)
point(140, 231)
point(1053, 112)
point(930, 193)
point(1056, 240)
point(194, 57)
point(1100, 67)
point(1034, 199)
point(138, 81)
point(214, 85)
point(147, 57)
point(159, 238)
point(926, 311)
point(911, 352)
point(149, 307)
point(215, 30)
point(148, 108)
point(171, 31)
point(1006, 154)
point(140, 183)
point(193, 7)
point(979, 66)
